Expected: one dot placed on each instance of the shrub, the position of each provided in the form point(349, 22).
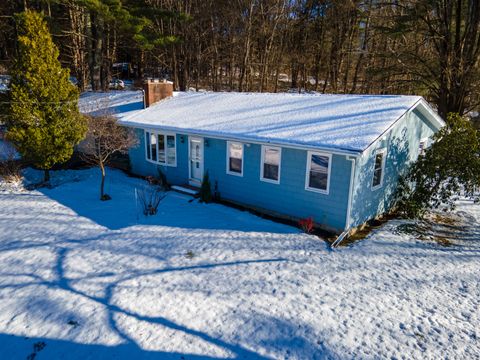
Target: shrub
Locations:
point(306, 225)
point(162, 180)
point(205, 190)
point(451, 166)
point(10, 168)
point(150, 198)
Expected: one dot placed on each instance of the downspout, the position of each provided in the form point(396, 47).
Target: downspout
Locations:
point(348, 219)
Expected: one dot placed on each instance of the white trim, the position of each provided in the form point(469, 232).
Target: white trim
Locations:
point(228, 158)
point(307, 173)
point(348, 219)
point(425, 108)
point(145, 141)
point(382, 151)
point(262, 159)
point(165, 134)
point(436, 120)
point(245, 140)
point(191, 181)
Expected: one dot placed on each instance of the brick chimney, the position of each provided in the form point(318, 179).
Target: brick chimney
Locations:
point(156, 90)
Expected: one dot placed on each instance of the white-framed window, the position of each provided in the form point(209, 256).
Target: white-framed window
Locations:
point(234, 158)
point(318, 172)
point(378, 168)
point(160, 148)
point(422, 146)
point(270, 164)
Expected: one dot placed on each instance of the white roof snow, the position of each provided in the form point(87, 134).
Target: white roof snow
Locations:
point(118, 102)
point(347, 123)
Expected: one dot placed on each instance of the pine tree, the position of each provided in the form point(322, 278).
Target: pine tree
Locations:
point(43, 118)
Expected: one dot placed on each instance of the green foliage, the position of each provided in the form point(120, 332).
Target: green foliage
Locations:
point(137, 19)
point(205, 189)
point(451, 166)
point(43, 119)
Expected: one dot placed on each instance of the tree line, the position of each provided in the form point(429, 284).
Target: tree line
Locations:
point(425, 47)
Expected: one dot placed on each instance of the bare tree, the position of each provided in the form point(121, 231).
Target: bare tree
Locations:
point(105, 138)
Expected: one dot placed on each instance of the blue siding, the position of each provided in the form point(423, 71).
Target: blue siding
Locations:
point(175, 175)
point(402, 144)
point(289, 198)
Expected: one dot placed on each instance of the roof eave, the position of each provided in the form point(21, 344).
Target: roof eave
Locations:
point(292, 145)
point(432, 116)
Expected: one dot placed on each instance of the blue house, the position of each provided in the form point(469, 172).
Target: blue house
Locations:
point(335, 158)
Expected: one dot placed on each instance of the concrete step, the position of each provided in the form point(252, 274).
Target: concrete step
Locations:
point(186, 189)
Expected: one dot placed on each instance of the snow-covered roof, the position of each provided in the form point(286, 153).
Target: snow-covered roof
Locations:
point(119, 103)
point(348, 123)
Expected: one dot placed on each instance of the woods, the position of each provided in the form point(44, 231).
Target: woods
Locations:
point(425, 47)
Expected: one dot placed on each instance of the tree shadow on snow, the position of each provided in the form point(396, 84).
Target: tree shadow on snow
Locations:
point(24, 347)
point(276, 334)
point(175, 210)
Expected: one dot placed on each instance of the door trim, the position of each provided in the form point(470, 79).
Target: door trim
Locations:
point(191, 181)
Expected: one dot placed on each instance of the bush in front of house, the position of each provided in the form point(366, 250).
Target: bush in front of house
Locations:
point(150, 197)
point(449, 168)
point(306, 225)
point(205, 192)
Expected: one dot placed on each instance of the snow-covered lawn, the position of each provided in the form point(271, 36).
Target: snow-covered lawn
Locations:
point(84, 279)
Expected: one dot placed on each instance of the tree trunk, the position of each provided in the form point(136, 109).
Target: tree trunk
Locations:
point(46, 175)
point(96, 51)
point(102, 184)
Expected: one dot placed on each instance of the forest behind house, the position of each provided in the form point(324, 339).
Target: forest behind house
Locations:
point(425, 47)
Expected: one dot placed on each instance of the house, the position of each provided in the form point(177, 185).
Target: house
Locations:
point(335, 158)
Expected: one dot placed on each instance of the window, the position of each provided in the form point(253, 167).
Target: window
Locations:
point(234, 158)
point(378, 168)
point(318, 172)
point(422, 147)
point(171, 150)
point(270, 164)
point(153, 147)
point(160, 148)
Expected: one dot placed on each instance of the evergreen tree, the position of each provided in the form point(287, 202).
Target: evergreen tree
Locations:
point(205, 189)
point(451, 166)
point(43, 119)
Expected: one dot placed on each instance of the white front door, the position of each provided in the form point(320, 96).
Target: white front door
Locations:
point(196, 160)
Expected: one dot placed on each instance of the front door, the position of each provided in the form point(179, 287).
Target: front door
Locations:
point(196, 161)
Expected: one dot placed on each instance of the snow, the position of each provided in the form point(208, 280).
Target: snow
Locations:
point(117, 102)
point(93, 279)
point(184, 190)
point(345, 122)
